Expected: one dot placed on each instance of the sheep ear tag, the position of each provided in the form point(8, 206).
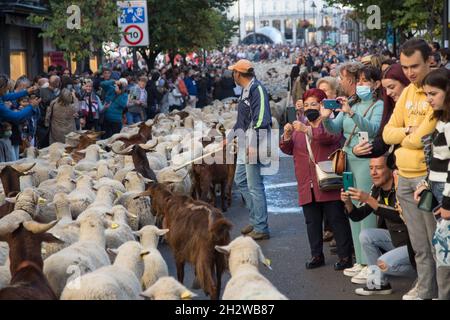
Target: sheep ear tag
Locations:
point(268, 263)
point(144, 253)
point(186, 295)
point(114, 226)
point(118, 194)
point(42, 201)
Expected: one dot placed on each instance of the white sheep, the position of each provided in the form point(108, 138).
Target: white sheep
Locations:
point(119, 281)
point(119, 231)
point(103, 170)
point(155, 265)
point(116, 185)
point(64, 229)
point(140, 207)
point(64, 182)
point(103, 202)
point(246, 282)
point(92, 156)
point(167, 288)
point(82, 197)
point(5, 275)
point(178, 182)
point(84, 256)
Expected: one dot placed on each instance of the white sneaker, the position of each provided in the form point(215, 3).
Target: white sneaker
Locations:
point(353, 271)
point(412, 294)
point(361, 277)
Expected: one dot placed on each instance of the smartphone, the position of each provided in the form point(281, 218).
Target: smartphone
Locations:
point(331, 104)
point(347, 178)
point(363, 136)
point(291, 114)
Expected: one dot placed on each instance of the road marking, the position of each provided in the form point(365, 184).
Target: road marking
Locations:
point(279, 210)
point(281, 185)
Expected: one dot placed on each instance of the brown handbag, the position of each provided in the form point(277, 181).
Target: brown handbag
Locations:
point(339, 157)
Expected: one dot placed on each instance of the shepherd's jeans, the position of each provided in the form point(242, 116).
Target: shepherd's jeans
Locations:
point(250, 182)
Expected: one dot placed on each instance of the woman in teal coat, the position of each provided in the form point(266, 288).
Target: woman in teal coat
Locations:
point(366, 115)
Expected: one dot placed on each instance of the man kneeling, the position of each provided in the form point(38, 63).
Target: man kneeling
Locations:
point(393, 241)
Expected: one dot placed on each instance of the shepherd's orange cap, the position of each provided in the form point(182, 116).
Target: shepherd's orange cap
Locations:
point(242, 66)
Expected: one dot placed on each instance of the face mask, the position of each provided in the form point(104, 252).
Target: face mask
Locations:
point(364, 92)
point(7, 134)
point(312, 114)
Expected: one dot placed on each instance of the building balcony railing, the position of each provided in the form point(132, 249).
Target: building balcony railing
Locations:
point(24, 6)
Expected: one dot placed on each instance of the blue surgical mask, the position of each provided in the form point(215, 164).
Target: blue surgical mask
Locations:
point(364, 92)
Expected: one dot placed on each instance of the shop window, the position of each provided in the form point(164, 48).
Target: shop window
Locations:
point(18, 64)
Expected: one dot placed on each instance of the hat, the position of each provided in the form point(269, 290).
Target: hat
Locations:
point(242, 66)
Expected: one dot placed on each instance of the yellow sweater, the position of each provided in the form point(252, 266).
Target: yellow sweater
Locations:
point(411, 110)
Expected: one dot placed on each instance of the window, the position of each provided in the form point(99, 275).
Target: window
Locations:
point(18, 64)
point(288, 29)
point(276, 24)
point(249, 26)
point(265, 23)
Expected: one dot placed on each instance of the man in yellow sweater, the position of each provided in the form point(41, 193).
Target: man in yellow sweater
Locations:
point(411, 120)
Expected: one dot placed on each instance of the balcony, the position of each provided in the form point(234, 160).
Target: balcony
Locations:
point(24, 6)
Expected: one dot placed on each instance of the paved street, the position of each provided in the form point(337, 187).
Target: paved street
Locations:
point(288, 248)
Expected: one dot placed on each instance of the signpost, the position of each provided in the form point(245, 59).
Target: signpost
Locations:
point(133, 22)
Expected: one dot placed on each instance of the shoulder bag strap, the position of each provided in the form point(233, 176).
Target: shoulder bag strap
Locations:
point(308, 145)
point(347, 142)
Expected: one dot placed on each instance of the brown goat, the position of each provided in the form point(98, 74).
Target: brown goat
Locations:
point(86, 139)
point(195, 229)
point(138, 153)
point(27, 279)
point(144, 134)
point(10, 176)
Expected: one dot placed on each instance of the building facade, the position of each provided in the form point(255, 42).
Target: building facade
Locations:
point(323, 23)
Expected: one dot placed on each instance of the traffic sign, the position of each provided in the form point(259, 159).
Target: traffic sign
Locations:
point(133, 22)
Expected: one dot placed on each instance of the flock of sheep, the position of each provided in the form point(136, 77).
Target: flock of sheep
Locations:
point(83, 204)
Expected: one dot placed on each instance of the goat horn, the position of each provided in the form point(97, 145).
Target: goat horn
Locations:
point(143, 194)
point(125, 152)
point(37, 228)
point(149, 145)
point(23, 168)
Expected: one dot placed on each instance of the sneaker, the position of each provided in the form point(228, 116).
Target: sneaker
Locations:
point(353, 271)
point(361, 277)
point(412, 294)
point(247, 229)
point(343, 264)
point(258, 235)
point(383, 290)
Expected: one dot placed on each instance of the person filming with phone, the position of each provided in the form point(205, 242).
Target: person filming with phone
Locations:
point(394, 241)
point(316, 203)
point(355, 117)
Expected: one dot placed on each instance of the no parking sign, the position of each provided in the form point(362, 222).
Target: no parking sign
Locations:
point(133, 23)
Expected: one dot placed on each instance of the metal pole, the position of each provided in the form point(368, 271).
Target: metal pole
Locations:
point(239, 19)
point(254, 22)
point(445, 33)
point(304, 21)
point(135, 60)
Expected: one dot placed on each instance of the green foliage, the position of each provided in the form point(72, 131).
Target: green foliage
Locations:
point(407, 16)
point(187, 25)
point(98, 24)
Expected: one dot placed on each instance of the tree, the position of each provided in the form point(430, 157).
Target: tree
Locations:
point(98, 24)
point(180, 26)
point(406, 17)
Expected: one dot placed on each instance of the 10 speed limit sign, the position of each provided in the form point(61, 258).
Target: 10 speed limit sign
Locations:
point(133, 23)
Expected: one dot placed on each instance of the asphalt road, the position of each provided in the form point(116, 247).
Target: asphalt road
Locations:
point(289, 250)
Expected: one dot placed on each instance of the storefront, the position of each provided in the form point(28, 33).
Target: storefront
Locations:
point(21, 48)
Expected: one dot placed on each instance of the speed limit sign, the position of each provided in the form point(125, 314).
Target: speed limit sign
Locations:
point(133, 35)
point(133, 23)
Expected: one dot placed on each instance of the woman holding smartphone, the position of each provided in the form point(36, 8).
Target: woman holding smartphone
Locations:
point(437, 89)
point(315, 202)
point(363, 116)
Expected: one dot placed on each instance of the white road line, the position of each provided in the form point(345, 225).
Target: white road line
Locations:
point(278, 210)
point(281, 185)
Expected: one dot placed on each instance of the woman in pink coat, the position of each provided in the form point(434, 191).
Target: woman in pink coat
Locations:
point(316, 203)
